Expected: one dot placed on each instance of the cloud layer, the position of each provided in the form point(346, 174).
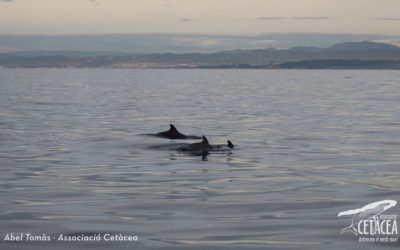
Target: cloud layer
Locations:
point(198, 16)
point(388, 19)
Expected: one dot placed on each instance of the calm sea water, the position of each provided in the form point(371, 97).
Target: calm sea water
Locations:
point(310, 144)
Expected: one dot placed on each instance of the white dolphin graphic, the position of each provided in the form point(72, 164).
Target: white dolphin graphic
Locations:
point(370, 211)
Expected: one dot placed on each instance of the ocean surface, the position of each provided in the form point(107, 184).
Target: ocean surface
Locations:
point(309, 144)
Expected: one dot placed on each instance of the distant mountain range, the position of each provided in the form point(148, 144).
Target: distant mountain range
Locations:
point(350, 46)
point(115, 44)
point(344, 55)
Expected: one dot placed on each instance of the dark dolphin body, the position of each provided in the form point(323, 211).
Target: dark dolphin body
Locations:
point(202, 148)
point(173, 133)
point(205, 146)
point(194, 147)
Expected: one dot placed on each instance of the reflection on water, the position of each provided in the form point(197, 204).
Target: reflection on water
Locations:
point(310, 144)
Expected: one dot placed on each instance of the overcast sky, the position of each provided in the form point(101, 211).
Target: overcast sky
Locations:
point(199, 16)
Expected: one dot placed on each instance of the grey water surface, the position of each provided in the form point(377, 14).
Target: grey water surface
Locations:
point(310, 144)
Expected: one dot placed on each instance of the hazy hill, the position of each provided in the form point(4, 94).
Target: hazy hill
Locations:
point(175, 43)
point(351, 51)
point(343, 51)
point(363, 46)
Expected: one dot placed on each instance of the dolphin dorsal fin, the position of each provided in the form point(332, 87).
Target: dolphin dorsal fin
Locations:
point(172, 128)
point(205, 141)
point(230, 144)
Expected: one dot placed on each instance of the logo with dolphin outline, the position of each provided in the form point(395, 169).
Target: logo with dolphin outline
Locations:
point(369, 221)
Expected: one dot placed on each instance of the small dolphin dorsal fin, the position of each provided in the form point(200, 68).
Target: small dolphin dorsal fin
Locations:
point(230, 144)
point(205, 141)
point(172, 128)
